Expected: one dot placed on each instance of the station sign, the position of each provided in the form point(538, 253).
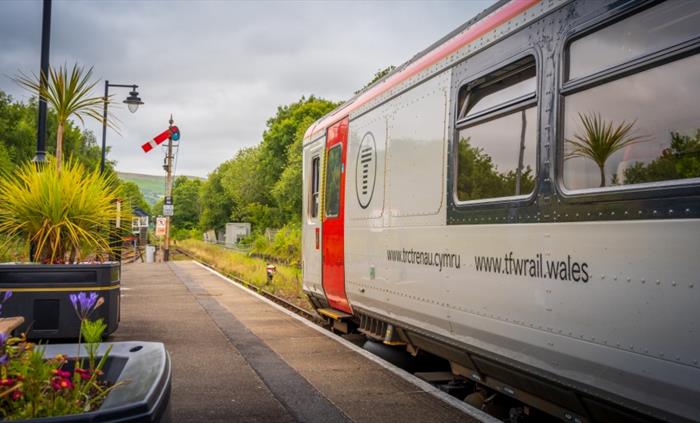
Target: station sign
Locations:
point(168, 209)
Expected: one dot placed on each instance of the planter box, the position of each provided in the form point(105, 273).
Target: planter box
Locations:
point(41, 296)
point(145, 397)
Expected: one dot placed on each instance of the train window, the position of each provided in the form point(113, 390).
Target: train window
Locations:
point(333, 174)
point(511, 84)
point(315, 166)
point(658, 27)
point(496, 151)
point(637, 129)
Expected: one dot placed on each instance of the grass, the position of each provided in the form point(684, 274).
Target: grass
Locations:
point(285, 284)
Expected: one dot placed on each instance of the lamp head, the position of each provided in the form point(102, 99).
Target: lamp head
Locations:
point(133, 101)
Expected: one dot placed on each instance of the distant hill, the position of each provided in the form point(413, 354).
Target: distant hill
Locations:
point(152, 186)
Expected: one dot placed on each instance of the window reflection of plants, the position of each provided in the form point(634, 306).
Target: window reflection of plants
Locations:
point(680, 161)
point(479, 177)
point(333, 170)
point(601, 139)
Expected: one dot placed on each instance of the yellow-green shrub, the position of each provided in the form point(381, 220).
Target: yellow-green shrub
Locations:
point(65, 215)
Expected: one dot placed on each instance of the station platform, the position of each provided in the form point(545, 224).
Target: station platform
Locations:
point(238, 357)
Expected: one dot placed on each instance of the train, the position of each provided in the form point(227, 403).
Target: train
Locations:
point(522, 199)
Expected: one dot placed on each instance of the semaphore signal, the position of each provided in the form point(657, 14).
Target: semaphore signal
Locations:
point(172, 133)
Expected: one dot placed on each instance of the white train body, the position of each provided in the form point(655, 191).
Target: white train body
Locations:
point(584, 297)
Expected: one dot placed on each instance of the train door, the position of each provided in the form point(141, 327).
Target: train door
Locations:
point(333, 226)
point(311, 231)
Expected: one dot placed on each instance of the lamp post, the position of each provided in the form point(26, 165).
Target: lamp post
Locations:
point(133, 102)
point(43, 78)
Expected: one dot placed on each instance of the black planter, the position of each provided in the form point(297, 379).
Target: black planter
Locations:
point(145, 397)
point(41, 295)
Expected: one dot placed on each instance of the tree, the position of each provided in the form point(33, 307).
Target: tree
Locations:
point(288, 190)
point(69, 95)
point(18, 123)
point(216, 205)
point(377, 76)
point(186, 202)
point(600, 141)
point(680, 161)
point(478, 176)
point(262, 184)
point(132, 193)
point(280, 134)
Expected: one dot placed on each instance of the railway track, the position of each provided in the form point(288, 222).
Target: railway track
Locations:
point(312, 316)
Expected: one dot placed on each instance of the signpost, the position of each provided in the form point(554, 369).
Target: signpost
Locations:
point(168, 206)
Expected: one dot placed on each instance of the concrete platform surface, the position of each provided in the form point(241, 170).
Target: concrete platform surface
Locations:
point(238, 358)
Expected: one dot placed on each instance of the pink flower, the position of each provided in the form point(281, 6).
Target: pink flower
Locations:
point(17, 394)
point(7, 381)
point(59, 383)
point(61, 373)
point(86, 374)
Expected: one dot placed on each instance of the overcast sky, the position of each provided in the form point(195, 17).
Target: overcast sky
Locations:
point(220, 67)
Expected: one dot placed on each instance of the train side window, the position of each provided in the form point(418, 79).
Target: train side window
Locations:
point(497, 133)
point(333, 174)
point(658, 27)
point(642, 127)
point(315, 180)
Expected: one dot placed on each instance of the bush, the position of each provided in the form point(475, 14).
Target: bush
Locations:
point(284, 247)
point(182, 234)
point(66, 215)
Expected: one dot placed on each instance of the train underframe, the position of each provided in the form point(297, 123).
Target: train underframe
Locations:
point(504, 389)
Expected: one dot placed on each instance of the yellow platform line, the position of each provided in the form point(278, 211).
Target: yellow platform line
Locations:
point(65, 289)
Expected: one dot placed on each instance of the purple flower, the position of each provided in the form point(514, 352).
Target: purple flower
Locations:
point(3, 339)
point(84, 304)
point(6, 296)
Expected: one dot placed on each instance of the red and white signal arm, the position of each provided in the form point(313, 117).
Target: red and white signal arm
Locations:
point(172, 132)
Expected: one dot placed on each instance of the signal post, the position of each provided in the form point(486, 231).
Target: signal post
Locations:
point(168, 208)
point(171, 134)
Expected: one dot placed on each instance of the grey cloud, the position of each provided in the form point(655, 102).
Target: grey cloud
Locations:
point(221, 68)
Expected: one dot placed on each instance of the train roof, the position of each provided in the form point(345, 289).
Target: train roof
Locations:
point(495, 15)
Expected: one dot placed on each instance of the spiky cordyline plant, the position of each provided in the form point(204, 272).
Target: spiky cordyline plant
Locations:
point(601, 140)
point(66, 217)
point(69, 93)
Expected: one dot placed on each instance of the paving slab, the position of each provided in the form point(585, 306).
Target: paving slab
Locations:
point(211, 380)
point(237, 358)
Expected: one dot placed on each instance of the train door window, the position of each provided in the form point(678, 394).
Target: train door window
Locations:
point(497, 134)
point(333, 175)
point(315, 183)
point(639, 125)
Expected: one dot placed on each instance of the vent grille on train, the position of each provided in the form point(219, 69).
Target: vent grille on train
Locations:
point(366, 157)
point(372, 328)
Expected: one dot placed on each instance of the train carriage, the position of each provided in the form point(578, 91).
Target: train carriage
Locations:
point(523, 199)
